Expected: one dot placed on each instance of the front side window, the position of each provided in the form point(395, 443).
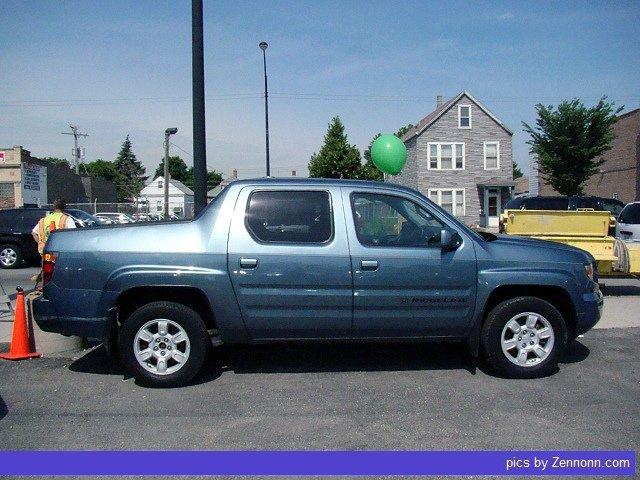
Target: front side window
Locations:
point(491, 155)
point(452, 201)
point(289, 216)
point(392, 221)
point(446, 156)
point(464, 116)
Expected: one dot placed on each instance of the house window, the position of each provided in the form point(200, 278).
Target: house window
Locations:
point(159, 206)
point(464, 116)
point(491, 155)
point(452, 200)
point(446, 156)
point(159, 183)
point(7, 190)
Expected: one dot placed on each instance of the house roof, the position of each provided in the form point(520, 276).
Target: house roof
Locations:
point(496, 182)
point(176, 183)
point(442, 109)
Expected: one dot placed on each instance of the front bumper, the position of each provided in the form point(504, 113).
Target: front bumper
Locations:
point(592, 311)
point(45, 315)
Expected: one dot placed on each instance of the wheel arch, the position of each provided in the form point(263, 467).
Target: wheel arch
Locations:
point(557, 296)
point(133, 298)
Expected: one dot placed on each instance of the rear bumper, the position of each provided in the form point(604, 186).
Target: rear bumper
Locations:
point(45, 315)
point(592, 311)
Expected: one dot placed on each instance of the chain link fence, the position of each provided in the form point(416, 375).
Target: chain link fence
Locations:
point(138, 211)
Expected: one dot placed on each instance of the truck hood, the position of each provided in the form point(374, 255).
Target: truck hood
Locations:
point(540, 251)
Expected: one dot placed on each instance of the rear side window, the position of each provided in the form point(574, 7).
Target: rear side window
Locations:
point(8, 219)
point(630, 214)
point(293, 216)
point(29, 219)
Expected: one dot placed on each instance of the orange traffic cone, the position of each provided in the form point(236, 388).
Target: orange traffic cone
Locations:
point(20, 349)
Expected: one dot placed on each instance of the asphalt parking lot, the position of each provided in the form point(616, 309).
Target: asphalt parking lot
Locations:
point(338, 396)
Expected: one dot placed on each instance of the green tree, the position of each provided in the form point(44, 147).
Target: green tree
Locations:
point(177, 169)
point(57, 161)
point(213, 179)
point(517, 173)
point(567, 140)
point(369, 171)
point(337, 158)
point(100, 169)
point(130, 172)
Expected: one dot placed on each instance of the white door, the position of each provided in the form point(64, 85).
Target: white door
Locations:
point(493, 207)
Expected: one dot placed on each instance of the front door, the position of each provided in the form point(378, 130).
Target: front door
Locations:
point(494, 209)
point(288, 258)
point(404, 285)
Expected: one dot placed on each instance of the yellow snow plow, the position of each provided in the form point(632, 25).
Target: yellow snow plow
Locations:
point(588, 230)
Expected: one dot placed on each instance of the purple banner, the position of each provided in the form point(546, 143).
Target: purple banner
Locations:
point(317, 463)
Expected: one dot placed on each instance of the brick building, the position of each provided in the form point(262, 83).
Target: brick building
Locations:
point(29, 181)
point(619, 176)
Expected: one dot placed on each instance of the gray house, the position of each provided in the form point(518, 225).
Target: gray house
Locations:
point(460, 157)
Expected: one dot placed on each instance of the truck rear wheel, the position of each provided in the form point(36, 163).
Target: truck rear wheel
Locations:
point(524, 337)
point(163, 344)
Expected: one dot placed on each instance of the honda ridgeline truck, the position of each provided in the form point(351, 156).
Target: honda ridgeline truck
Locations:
point(274, 260)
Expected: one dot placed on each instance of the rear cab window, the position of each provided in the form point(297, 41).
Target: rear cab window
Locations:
point(290, 216)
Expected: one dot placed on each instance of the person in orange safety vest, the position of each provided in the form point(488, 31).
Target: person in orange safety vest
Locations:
point(55, 220)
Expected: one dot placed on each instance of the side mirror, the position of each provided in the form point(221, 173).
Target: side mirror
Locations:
point(450, 240)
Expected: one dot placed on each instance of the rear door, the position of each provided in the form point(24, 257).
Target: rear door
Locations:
point(288, 259)
point(404, 286)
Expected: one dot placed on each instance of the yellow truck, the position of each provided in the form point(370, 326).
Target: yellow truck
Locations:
point(588, 230)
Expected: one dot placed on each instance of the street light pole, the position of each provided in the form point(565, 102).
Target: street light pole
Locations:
point(263, 46)
point(167, 133)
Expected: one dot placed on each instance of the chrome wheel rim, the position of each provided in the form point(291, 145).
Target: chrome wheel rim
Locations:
point(8, 257)
point(161, 346)
point(527, 339)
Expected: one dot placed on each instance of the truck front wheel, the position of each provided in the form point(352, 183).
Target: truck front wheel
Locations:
point(524, 337)
point(163, 344)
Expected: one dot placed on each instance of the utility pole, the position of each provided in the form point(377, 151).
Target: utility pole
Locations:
point(167, 133)
point(76, 152)
point(199, 134)
point(263, 46)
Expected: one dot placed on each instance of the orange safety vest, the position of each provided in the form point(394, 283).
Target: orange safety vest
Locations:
point(45, 230)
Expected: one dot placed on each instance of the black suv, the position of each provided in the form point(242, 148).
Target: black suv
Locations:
point(16, 243)
point(566, 203)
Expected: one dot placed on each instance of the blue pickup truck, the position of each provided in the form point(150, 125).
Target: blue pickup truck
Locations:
point(274, 260)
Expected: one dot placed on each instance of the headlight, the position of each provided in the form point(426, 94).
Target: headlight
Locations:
point(588, 269)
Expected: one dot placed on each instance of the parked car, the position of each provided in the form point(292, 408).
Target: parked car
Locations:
point(85, 218)
point(17, 246)
point(115, 217)
point(566, 203)
point(628, 228)
point(307, 259)
point(612, 205)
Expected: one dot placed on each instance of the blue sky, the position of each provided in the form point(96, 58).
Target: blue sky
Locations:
point(124, 67)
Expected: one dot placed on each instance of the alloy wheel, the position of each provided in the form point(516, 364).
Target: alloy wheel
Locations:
point(161, 346)
point(527, 339)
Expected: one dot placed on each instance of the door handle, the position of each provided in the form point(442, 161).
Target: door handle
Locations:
point(248, 263)
point(369, 265)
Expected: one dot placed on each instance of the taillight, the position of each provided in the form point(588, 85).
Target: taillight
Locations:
point(48, 265)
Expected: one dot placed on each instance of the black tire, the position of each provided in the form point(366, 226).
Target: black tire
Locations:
point(188, 320)
point(11, 256)
point(491, 337)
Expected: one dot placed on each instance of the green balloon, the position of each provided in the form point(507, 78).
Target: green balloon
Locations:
point(389, 154)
